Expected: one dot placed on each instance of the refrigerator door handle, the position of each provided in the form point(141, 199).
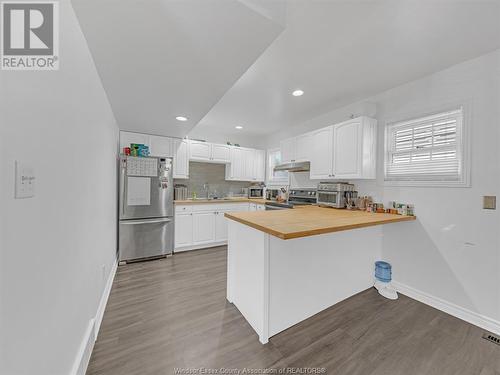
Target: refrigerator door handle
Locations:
point(149, 221)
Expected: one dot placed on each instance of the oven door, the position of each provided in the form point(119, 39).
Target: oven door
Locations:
point(330, 198)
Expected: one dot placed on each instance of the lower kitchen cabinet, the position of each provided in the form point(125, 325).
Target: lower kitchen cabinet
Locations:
point(203, 225)
point(183, 229)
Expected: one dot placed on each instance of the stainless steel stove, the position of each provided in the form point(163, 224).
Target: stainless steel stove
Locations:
point(296, 197)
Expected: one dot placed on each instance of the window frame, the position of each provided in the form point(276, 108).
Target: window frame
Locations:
point(463, 148)
point(271, 180)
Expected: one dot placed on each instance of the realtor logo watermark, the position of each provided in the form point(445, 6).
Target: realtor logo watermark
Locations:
point(30, 35)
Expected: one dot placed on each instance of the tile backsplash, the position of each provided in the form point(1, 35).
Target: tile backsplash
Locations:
point(214, 175)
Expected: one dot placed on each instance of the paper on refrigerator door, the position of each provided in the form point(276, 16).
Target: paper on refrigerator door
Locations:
point(139, 191)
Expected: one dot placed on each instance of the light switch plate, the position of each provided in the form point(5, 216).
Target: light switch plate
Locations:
point(25, 181)
point(490, 202)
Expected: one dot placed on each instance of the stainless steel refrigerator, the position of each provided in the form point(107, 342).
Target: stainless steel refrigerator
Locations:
point(146, 205)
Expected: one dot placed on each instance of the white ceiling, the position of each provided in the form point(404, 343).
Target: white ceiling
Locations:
point(158, 59)
point(339, 52)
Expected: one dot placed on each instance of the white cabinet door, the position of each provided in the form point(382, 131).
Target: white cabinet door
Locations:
point(322, 154)
point(220, 226)
point(347, 149)
point(161, 146)
point(126, 138)
point(221, 153)
point(302, 147)
point(181, 158)
point(235, 170)
point(199, 151)
point(287, 148)
point(252, 207)
point(248, 166)
point(183, 230)
point(259, 166)
point(203, 227)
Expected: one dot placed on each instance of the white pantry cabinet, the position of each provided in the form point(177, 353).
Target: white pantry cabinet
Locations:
point(345, 151)
point(203, 225)
point(209, 152)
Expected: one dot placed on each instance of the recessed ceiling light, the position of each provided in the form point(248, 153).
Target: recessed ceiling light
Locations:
point(298, 93)
point(239, 127)
point(181, 118)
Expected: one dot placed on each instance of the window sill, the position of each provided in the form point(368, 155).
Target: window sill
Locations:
point(428, 184)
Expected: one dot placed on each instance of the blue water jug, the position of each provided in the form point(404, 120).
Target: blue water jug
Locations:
point(383, 271)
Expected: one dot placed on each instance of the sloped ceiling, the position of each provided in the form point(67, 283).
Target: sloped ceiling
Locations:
point(159, 59)
point(340, 52)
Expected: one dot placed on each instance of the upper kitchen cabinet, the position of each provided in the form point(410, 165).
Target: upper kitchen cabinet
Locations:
point(296, 149)
point(236, 169)
point(246, 165)
point(209, 152)
point(199, 151)
point(259, 165)
point(354, 148)
point(345, 150)
point(303, 147)
point(221, 153)
point(181, 158)
point(287, 149)
point(321, 154)
point(161, 146)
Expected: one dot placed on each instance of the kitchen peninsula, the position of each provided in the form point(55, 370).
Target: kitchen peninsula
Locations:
point(285, 266)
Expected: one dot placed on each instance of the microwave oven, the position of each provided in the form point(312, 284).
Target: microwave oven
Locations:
point(330, 199)
point(255, 192)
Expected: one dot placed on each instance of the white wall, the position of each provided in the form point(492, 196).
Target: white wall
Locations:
point(54, 246)
point(453, 251)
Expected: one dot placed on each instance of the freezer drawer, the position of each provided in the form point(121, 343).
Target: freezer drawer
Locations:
point(145, 238)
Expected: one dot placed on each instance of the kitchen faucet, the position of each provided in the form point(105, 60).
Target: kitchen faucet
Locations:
point(206, 188)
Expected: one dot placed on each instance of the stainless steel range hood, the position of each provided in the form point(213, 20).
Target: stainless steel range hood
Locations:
point(303, 166)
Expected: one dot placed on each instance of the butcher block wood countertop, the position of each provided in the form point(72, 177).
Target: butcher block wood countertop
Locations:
point(311, 220)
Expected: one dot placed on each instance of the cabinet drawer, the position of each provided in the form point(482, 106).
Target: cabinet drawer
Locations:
point(180, 209)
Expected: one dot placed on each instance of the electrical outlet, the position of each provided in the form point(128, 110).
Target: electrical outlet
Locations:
point(25, 181)
point(490, 202)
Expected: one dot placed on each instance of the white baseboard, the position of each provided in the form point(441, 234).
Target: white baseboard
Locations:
point(198, 247)
point(104, 299)
point(459, 312)
point(85, 351)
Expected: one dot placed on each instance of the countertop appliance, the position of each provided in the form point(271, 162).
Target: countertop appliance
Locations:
point(256, 192)
point(272, 193)
point(146, 227)
point(296, 197)
point(334, 194)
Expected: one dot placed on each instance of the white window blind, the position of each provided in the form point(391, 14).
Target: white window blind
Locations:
point(426, 149)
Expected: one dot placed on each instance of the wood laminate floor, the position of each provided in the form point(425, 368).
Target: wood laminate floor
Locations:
point(172, 313)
